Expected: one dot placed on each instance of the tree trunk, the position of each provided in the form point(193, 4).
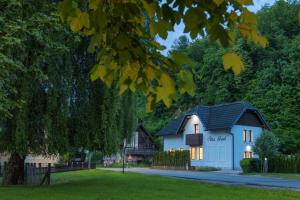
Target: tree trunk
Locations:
point(14, 172)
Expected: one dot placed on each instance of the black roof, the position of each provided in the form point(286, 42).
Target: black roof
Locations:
point(217, 117)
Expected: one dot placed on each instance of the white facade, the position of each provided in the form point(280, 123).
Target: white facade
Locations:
point(223, 149)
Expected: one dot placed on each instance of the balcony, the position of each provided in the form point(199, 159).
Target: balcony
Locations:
point(194, 139)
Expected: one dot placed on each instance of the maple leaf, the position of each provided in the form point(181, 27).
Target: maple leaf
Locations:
point(233, 61)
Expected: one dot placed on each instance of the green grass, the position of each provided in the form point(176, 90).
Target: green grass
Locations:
point(276, 175)
point(98, 185)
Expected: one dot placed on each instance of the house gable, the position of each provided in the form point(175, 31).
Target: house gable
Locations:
point(250, 118)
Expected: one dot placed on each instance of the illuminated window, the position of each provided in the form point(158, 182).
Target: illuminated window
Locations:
point(197, 130)
point(172, 149)
point(250, 136)
point(248, 154)
point(200, 153)
point(192, 153)
point(245, 136)
point(181, 149)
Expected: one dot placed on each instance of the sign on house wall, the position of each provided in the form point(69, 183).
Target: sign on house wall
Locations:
point(217, 138)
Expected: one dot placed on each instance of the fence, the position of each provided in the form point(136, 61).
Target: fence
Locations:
point(72, 167)
point(37, 174)
point(40, 174)
point(285, 164)
point(172, 160)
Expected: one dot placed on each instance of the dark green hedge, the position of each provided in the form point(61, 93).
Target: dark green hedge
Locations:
point(172, 159)
point(285, 164)
point(278, 164)
point(249, 165)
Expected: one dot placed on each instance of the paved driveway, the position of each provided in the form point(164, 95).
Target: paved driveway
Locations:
point(223, 177)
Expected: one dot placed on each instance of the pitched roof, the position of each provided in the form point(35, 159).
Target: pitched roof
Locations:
point(217, 117)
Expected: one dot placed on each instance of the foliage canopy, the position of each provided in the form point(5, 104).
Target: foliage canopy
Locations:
point(122, 34)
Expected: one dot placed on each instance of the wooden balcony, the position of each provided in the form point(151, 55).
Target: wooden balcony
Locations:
point(194, 139)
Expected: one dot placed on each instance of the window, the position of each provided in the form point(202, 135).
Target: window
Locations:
point(248, 154)
point(250, 136)
point(245, 136)
point(200, 153)
point(197, 130)
point(181, 149)
point(172, 149)
point(192, 153)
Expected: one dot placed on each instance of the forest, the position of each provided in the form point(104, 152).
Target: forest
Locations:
point(270, 80)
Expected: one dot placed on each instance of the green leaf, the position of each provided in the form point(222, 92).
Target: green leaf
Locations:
point(150, 103)
point(93, 4)
point(249, 17)
point(161, 28)
point(186, 82)
point(218, 2)
point(233, 61)
point(98, 71)
point(182, 59)
point(123, 88)
point(149, 7)
point(245, 2)
point(81, 20)
point(65, 9)
point(299, 16)
point(166, 90)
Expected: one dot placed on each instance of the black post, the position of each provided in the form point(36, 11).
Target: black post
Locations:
point(49, 173)
point(123, 170)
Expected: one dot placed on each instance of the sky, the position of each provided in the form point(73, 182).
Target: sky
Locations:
point(178, 29)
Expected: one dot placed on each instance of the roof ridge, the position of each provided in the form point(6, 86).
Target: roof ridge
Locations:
point(231, 103)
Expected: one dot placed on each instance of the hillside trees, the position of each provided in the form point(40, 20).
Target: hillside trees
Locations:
point(270, 80)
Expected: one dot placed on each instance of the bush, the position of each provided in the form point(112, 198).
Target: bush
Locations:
point(178, 159)
point(249, 165)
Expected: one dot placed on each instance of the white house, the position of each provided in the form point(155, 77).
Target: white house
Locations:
point(218, 136)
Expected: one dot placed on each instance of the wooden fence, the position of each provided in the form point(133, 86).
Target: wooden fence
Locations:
point(40, 174)
point(37, 174)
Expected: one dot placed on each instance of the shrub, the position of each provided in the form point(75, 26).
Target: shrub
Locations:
point(249, 165)
point(171, 159)
point(266, 145)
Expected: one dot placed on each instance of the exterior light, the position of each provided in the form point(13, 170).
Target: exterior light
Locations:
point(248, 148)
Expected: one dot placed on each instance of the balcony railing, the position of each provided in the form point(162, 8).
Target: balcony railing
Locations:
point(194, 139)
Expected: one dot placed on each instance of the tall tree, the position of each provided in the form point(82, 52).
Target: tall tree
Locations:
point(33, 41)
point(48, 103)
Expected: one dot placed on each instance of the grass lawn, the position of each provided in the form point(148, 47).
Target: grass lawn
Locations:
point(277, 175)
point(98, 185)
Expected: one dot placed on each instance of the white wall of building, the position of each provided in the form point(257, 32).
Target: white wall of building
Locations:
point(217, 145)
point(239, 145)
